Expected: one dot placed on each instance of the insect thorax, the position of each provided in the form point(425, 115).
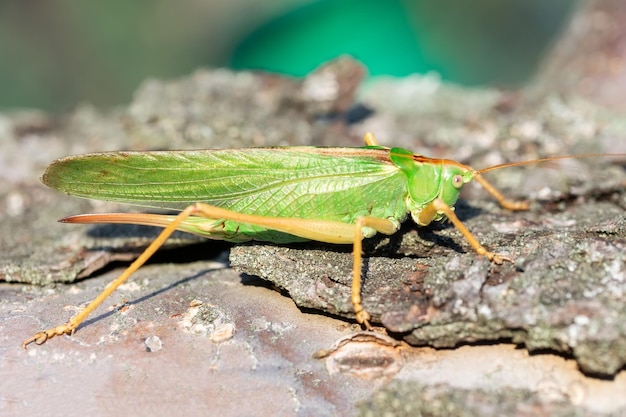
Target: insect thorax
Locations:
point(434, 180)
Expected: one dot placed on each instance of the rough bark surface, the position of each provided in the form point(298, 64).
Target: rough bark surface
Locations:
point(563, 295)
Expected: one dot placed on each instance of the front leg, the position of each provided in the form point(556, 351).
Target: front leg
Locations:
point(439, 206)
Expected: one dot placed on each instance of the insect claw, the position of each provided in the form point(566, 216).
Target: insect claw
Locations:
point(363, 318)
point(40, 338)
point(35, 339)
point(497, 259)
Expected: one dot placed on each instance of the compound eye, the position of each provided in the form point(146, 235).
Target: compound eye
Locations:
point(457, 181)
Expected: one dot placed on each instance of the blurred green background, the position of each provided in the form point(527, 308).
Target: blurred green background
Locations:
point(55, 54)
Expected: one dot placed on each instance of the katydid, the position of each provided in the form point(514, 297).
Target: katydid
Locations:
point(281, 195)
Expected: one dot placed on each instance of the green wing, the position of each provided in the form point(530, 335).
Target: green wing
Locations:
point(304, 182)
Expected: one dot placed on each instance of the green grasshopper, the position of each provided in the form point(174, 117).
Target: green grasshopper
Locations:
point(279, 195)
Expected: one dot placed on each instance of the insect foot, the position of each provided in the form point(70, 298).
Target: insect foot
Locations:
point(363, 317)
point(41, 337)
point(497, 259)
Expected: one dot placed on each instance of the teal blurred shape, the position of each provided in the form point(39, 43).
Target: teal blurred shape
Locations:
point(375, 32)
point(468, 42)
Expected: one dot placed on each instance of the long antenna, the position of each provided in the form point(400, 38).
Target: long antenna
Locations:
point(547, 159)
